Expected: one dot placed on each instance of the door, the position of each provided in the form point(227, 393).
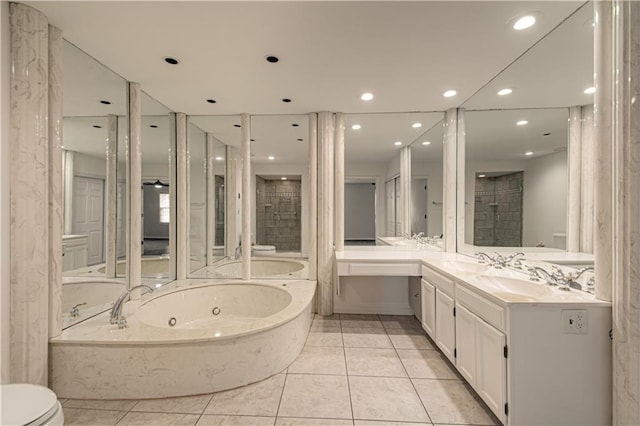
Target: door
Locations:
point(466, 344)
point(390, 197)
point(88, 215)
point(419, 206)
point(445, 325)
point(491, 376)
point(428, 295)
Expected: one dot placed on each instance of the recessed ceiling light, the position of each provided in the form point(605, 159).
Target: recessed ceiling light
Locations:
point(416, 125)
point(271, 157)
point(522, 122)
point(170, 60)
point(524, 22)
point(272, 59)
point(356, 127)
point(237, 125)
point(506, 91)
point(153, 126)
point(397, 143)
point(546, 134)
point(219, 158)
point(528, 153)
point(211, 101)
point(366, 96)
point(286, 100)
point(590, 90)
point(295, 125)
point(300, 139)
point(449, 93)
point(482, 175)
point(283, 178)
point(95, 126)
point(105, 102)
point(426, 143)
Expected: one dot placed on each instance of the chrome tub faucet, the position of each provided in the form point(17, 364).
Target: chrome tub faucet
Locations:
point(116, 316)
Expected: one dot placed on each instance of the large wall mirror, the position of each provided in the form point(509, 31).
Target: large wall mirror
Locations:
point(94, 135)
point(213, 148)
point(517, 156)
point(280, 196)
point(373, 190)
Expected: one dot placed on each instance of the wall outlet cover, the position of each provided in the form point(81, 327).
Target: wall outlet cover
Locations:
point(574, 321)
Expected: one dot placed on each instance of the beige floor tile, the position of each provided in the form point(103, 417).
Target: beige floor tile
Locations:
point(315, 396)
point(409, 339)
point(158, 419)
point(327, 319)
point(451, 401)
point(426, 364)
point(360, 320)
point(215, 420)
point(299, 421)
point(408, 322)
point(186, 404)
point(329, 327)
point(319, 360)
point(82, 417)
point(360, 317)
point(257, 399)
point(330, 337)
point(374, 362)
point(365, 338)
point(378, 423)
point(101, 404)
point(384, 398)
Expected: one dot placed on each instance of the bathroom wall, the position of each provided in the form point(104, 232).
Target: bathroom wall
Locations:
point(4, 189)
point(89, 166)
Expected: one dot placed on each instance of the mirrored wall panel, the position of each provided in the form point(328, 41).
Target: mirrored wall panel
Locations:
point(214, 196)
point(94, 132)
point(373, 190)
point(517, 155)
point(280, 196)
point(158, 197)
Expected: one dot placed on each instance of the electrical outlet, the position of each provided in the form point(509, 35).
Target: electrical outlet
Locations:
point(574, 321)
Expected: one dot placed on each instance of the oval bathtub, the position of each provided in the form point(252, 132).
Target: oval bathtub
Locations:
point(90, 296)
point(223, 335)
point(275, 268)
point(152, 267)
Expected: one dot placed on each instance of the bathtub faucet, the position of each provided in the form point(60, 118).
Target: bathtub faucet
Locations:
point(116, 312)
point(239, 251)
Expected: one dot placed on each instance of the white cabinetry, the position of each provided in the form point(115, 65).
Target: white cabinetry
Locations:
point(75, 251)
point(491, 367)
point(428, 293)
point(466, 343)
point(445, 325)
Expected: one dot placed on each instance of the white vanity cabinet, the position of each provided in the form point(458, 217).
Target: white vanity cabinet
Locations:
point(428, 299)
point(444, 327)
point(75, 250)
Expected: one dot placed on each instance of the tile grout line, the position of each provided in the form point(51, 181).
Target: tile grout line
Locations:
point(346, 370)
point(205, 408)
point(284, 385)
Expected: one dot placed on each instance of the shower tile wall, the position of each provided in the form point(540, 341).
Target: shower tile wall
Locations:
point(278, 214)
point(498, 211)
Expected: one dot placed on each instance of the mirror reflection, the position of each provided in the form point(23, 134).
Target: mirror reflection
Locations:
point(280, 196)
point(94, 123)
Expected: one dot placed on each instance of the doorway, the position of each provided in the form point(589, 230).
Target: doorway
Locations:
point(88, 215)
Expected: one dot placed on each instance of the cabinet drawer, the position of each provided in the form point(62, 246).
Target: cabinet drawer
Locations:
point(488, 311)
point(381, 269)
point(443, 283)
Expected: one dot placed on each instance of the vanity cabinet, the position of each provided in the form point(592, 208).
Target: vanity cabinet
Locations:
point(466, 343)
point(445, 325)
point(75, 250)
point(428, 299)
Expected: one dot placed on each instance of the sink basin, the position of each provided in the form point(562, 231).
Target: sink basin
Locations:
point(466, 267)
point(515, 288)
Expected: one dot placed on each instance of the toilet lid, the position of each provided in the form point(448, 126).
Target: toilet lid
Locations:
point(24, 403)
point(263, 248)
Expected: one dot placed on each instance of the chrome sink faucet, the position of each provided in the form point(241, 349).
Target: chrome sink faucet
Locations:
point(570, 279)
point(499, 261)
point(116, 316)
point(75, 311)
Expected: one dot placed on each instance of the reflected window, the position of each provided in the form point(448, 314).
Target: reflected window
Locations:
point(164, 208)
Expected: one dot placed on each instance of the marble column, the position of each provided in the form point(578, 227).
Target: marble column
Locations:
point(461, 149)
point(56, 221)
point(625, 108)
point(29, 196)
point(405, 190)
point(211, 199)
point(182, 198)
point(313, 196)
point(173, 196)
point(325, 213)
point(449, 196)
point(134, 182)
point(68, 171)
point(231, 204)
point(339, 181)
point(587, 181)
point(604, 75)
point(245, 123)
point(111, 189)
point(575, 177)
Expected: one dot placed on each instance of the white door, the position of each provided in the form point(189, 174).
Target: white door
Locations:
point(466, 344)
point(390, 196)
point(491, 383)
point(445, 325)
point(419, 206)
point(88, 215)
point(428, 295)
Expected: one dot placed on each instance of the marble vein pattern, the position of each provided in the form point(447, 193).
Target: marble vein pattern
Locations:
point(325, 212)
point(313, 195)
point(182, 198)
point(449, 191)
point(575, 178)
point(264, 397)
point(588, 180)
point(134, 180)
point(111, 188)
point(211, 200)
point(56, 220)
point(29, 195)
point(405, 189)
point(461, 137)
point(339, 181)
point(245, 123)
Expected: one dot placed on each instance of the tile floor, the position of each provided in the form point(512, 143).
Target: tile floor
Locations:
point(358, 370)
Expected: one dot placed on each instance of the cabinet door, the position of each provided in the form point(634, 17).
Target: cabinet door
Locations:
point(445, 325)
point(466, 344)
point(428, 308)
point(491, 364)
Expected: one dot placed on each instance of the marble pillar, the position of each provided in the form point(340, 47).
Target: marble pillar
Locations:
point(405, 190)
point(56, 221)
point(173, 194)
point(182, 198)
point(231, 204)
point(29, 196)
point(313, 196)
point(68, 172)
point(339, 181)
point(245, 123)
point(449, 178)
point(134, 182)
point(604, 75)
point(625, 108)
point(575, 177)
point(587, 180)
point(111, 203)
point(211, 200)
point(461, 148)
point(325, 213)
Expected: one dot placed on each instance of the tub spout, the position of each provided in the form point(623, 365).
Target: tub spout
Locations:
point(116, 316)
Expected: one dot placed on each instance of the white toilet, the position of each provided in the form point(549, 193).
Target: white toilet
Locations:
point(25, 404)
point(258, 250)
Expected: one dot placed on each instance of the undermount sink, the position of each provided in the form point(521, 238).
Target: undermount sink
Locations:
point(466, 267)
point(516, 288)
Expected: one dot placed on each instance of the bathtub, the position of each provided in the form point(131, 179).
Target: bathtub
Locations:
point(274, 268)
point(153, 267)
point(190, 337)
point(93, 296)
